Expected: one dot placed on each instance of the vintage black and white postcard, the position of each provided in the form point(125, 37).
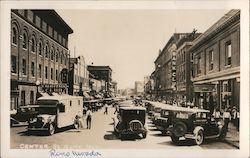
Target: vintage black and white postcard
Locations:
point(124, 79)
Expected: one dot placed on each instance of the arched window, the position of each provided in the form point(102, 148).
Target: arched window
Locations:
point(14, 35)
point(52, 55)
point(46, 51)
point(62, 58)
point(24, 41)
point(40, 48)
point(33, 45)
point(56, 56)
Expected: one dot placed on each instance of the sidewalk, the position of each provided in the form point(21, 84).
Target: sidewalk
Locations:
point(232, 136)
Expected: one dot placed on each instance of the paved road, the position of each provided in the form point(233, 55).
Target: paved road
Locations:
point(101, 136)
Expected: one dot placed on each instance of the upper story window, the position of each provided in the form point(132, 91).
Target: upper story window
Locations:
point(32, 69)
point(13, 64)
point(46, 72)
point(24, 41)
point(46, 51)
point(211, 59)
point(228, 53)
point(40, 70)
point(56, 56)
point(40, 48)
point(52, 55)
point(24, 67)
point(14, 35)
point(33, 45)
point(199, 64)
point(62, 58)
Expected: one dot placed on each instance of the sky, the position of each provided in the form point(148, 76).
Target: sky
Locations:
point(129, 40)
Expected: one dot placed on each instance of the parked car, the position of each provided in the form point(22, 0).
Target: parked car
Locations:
point(55, 112)
point(130, 121)
point(196, 124)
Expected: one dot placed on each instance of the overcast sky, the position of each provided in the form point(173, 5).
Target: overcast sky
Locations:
point(129, 40)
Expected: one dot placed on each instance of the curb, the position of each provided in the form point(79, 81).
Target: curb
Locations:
point(231, 144)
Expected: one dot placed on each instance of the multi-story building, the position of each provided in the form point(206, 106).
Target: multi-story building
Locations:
point(78, 76)
point(184, 88)
point(113, 88)
point(216, 56)
point(139, 88)
point(165, 69)
point(102, 73)
point(39, 55)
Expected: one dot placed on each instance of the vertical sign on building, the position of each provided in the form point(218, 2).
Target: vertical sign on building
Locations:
point(173, 50)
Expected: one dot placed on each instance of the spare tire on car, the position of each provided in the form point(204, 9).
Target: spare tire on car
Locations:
point(179, 129)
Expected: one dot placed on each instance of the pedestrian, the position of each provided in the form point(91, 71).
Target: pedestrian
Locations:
point(116, 108)
point(106, 109)
point(226, 118)
point(88, 118)
point(217, 115)
point(234, 115)
point(238, 120)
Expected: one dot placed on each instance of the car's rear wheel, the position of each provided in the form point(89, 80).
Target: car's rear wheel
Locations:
point(76, 125)
point(51, 130)
point(179, 129)
point(175, 139)
point(199, 137)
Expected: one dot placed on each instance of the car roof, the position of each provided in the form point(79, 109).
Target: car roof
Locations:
point(133, 108)
point(59, 97)
point(176, 108)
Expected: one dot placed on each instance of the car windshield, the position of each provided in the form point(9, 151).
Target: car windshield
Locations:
point(47, 110)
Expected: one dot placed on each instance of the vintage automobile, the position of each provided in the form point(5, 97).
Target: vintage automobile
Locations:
point(55, 112)
point(195, 124)
point(130, 121)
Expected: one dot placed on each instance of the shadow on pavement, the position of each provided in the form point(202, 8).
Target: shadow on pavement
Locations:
point(158, 135)
point(184, 142)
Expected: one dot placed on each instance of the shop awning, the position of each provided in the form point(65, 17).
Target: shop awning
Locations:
point(204, 87)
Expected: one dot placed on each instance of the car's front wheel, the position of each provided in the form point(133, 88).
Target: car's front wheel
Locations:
point(144, 135)
point(175, 139)
point(199, 137)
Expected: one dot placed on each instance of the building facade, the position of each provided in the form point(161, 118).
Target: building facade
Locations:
point(139, 88)
point(102, 73)
point(78, 76)
point(184, 87)
point(39, 55)
point(216, 64)
point(165, 69)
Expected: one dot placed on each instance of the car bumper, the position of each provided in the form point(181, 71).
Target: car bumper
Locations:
point(37, 129)
point(129, 132)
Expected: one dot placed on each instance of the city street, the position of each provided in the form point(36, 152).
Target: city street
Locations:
point(101, 136)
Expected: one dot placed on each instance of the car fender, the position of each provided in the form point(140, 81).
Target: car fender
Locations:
point(197, 129)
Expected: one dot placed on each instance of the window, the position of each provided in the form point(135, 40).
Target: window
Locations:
point(46, 51)
point(24, 67)
point(199, 64)
point(65, 60)
point(62, 58)
point(56, 56)
point(13, 64)
point(46, 72)
point(211, 59)
point(79, 102)
point(52, 55)
point(51, 74)
point(228, 53)
point(40, 48)
point(32, 69)
point(24, 41)
point(22, 97)
point(31, 97)
point(14, 35)
point(56, 75)
point(70, 102)
point(33, 45)
point(61, 107)
point(40, 70)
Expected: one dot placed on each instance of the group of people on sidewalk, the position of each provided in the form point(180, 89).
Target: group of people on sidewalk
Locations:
point(86, 117)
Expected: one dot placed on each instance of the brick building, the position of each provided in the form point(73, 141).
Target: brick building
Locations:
point(184, 88)
point(102, 73)
point(216, 56)
point(165, 69)
point(78, 76)
point(39, 55)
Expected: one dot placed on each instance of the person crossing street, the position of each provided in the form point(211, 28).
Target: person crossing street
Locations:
point(88, 118)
